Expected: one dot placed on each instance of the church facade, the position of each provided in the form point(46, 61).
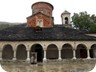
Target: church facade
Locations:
point(40, 40)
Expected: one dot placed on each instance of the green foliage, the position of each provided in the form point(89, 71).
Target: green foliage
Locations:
point(84, 21)
point(92, 28)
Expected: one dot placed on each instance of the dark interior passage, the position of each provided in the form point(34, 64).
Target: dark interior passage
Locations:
point(81, 51)
point(21, 53)
point(7, 52)
point(52, 52)
point(39, 51)
point(66, 52)
point(93, 51)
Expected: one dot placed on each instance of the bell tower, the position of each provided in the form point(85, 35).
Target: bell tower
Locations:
point(66, 19)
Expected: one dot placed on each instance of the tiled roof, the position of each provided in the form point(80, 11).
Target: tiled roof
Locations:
point(39, 13)
point(45, 3)
point(57, 32)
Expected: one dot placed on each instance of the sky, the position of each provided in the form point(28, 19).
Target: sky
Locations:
point(18, 10)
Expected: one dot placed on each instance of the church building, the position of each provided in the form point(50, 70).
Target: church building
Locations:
point(40, 40)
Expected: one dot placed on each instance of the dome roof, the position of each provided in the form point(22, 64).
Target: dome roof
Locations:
point(45, 3)
point(65, 12)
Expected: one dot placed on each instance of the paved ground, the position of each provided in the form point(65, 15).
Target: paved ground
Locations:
point(50, 66)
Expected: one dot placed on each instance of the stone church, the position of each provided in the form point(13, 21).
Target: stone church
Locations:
point(40, 40)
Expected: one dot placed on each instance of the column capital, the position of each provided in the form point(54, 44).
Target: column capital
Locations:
point(27, 49)
point(60, 49)
point(44, 49)
point(88, 48)
point(14, 49)
point(73, 49)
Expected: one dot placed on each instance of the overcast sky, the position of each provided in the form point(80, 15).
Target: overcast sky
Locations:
point(18, 10)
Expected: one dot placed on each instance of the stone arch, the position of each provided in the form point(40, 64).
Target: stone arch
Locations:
point(21, 53)
point(52, 52)
point(93, 51)
point(81, 51)
point(37, 49)
point(7, 52)
point(66, 52)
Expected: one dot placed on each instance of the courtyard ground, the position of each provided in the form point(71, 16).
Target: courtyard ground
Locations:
point(71, 65)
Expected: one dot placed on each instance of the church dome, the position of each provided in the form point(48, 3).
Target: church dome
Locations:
point(43, 7)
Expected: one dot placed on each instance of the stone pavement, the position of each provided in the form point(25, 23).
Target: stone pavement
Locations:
point(79, 65)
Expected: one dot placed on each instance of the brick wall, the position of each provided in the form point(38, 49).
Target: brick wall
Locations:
point(47, 21)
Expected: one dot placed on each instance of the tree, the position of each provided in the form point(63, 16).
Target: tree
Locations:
point(84, 21)
point(92, 28)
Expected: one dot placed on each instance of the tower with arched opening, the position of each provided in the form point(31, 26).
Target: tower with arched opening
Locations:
point(65, 16)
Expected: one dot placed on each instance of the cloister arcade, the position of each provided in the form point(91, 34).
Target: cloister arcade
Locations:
point(50, 51)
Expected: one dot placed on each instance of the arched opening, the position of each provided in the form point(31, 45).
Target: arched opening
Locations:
point(37, 48)
point(93, 51)
point(7, 52)
point(66, 52)
point(66, 20)
point(21, 53)
point(52, 52)
point(81, 51)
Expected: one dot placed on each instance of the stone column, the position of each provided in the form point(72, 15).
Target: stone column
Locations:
point(74, 54)
point(59, 55)
point(74, 51)
point(28, 55)
point(44, 59)
point(0, 54)
point(14, 56)
point(88, 54)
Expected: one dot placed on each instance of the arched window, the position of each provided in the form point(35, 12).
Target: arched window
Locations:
point(66, 52)
point(66, 20)
point(7, 52)
point(21, 53)
point(81, 51)
point(52, 52)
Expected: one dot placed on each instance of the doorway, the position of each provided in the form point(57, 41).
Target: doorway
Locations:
point(37, 48)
